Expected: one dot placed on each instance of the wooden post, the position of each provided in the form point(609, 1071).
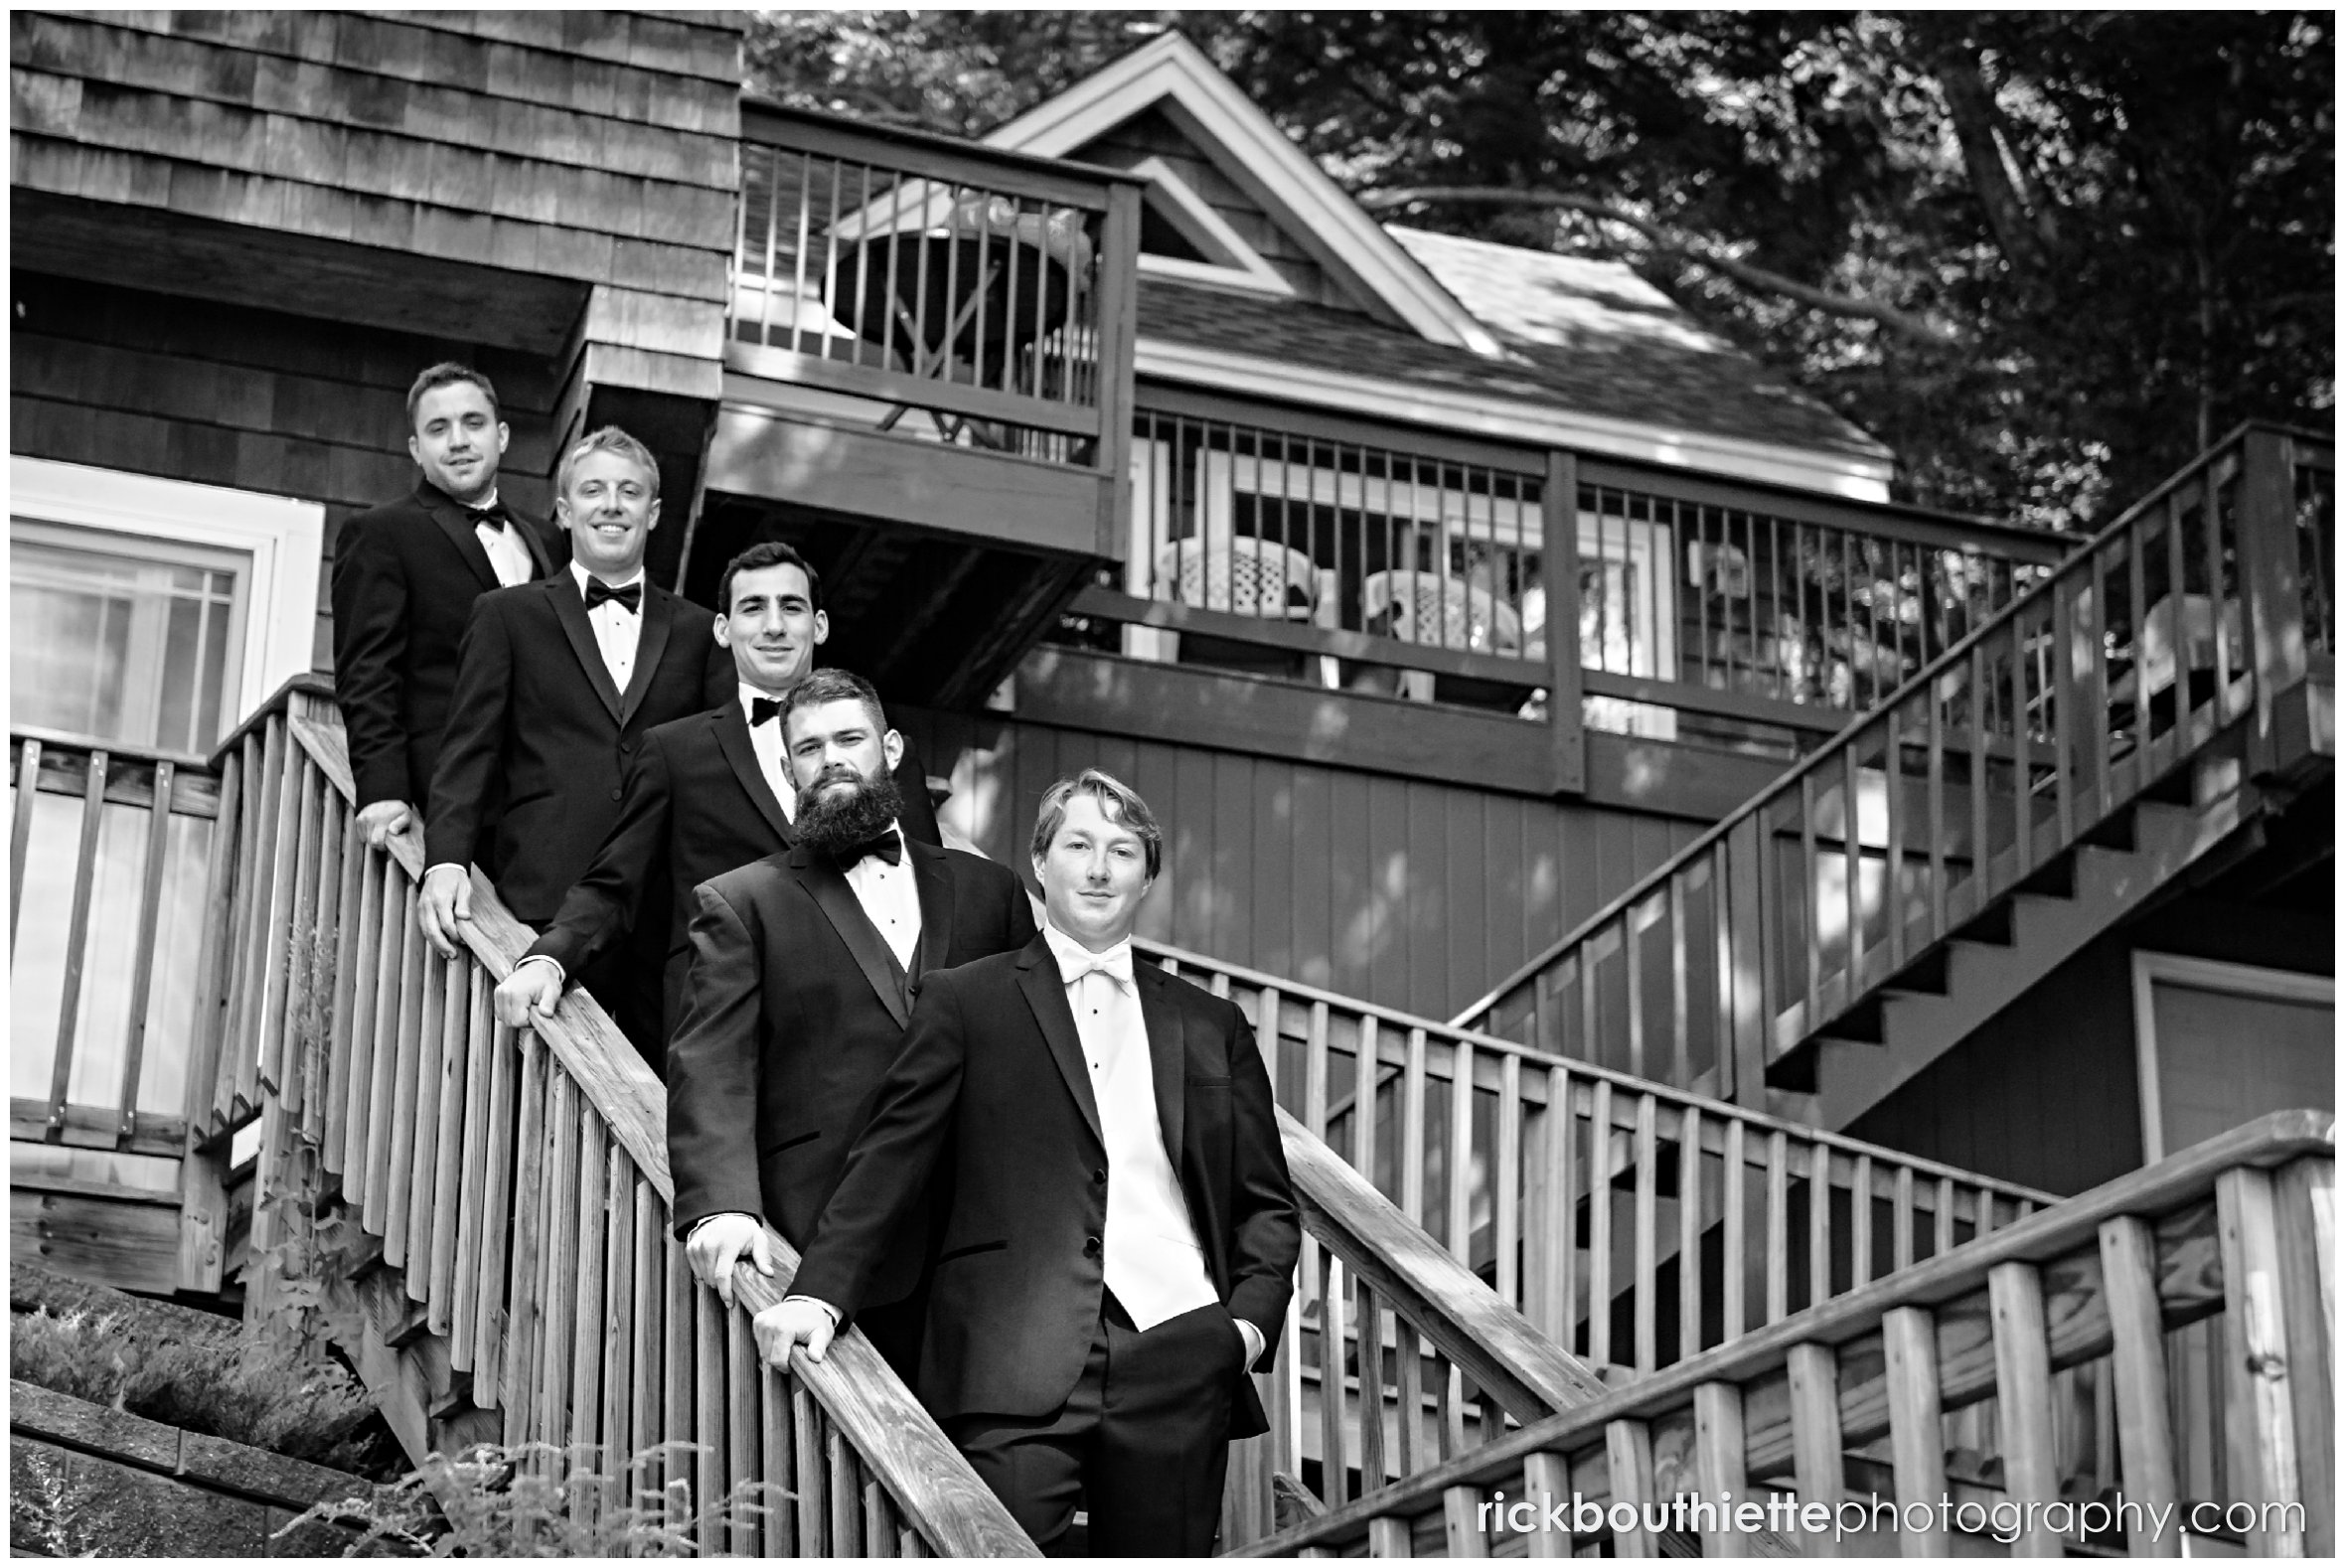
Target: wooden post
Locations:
point(1910, 1340)
point(2138, 1369)
point(2023, 1393)
point(2303, 1200)
point(2269, 584)
point(1719, 1472)
point(1815, 1433)
point(1559, 524)
point(2260, 1418)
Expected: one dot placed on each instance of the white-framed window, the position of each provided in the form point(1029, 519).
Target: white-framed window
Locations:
point(1370, 553)
point(2220, 1045)
point(153, 612)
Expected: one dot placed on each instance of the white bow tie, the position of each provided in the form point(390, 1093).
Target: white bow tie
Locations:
point(1116, 965)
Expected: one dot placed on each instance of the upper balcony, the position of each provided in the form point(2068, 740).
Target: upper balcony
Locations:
point(927, 388)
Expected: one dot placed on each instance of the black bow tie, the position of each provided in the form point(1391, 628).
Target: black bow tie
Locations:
point(488, 517)
point(629, 599)
point(888, 846)
point(764, 711)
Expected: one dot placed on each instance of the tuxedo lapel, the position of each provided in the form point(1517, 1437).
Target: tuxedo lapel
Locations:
point(823, 884)
point(932, 876)
point(570, 609)
point(659, 614)
point(1167, 1054)
point(453, 522)
point(740, 752)
point(1046, 995)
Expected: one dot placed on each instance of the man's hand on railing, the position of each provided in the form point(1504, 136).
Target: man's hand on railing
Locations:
point(716, 1244)
point(384, 821)
point(446, 899)
point(792, 1322)
point(531, 992)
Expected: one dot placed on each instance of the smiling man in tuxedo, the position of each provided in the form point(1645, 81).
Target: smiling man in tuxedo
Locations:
point(556, 685)
point(1121, 1234)
point(705, 794)
point(804, 967)
point(405, 577)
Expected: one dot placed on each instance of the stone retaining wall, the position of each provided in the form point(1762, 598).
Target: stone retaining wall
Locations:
point(85, 1479)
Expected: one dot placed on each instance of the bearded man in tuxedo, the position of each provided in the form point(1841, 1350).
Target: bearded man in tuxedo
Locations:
point(405, 577)
point(804, 970)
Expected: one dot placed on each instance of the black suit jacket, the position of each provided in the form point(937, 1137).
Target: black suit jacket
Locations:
point(405, 577)
point(538, 738)
point(695, 805)
point(991, 1069)
point(798, 1008)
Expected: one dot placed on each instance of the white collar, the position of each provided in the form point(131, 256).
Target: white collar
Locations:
point(581, 572)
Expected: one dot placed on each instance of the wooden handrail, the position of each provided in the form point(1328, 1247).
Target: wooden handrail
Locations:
point(2237, 1227)
point(545, 1260)
point(2037, 726)
point(1592, 1237)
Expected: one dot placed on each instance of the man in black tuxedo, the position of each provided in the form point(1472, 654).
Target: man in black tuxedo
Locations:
point(705, 794)
point(1119, 1242)
point(803, 971)
point(557, 683)
point(405, 574)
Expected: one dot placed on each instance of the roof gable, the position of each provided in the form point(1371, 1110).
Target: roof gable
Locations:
point(1174, 77)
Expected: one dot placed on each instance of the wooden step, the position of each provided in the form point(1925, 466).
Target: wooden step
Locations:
point(2102, 887)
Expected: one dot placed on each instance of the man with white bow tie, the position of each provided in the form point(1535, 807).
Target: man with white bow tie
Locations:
point(1119, 1245)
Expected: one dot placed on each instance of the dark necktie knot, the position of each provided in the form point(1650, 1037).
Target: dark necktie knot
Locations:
point(764, 711)
point(629, 599)
point(888, 846)
point(491, 516)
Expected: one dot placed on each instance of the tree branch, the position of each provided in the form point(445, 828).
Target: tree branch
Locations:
point(1689, 247)
point(1974, 117)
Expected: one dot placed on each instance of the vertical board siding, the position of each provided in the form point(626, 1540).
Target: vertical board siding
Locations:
point(1408, 893)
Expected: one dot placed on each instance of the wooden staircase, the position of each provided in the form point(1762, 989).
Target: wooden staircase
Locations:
point(479, 1218)
point(2129, 718)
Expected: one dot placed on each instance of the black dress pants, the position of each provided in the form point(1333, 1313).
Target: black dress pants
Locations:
point(1142, 1444)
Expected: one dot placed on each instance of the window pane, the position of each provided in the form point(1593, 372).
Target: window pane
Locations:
point(119, 647)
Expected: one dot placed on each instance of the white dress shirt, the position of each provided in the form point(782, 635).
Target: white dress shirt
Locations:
point(508, 557)
point(1154, 1264)
point(616, 629)
point(766, 741)
point(890, 900)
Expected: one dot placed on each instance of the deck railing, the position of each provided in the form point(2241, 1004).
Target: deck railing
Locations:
point(1634, 1225)
point(111, 923)
point(519, 1182)
point(1817, 1419)
point(2183, 617)
point(1313, 550)
point(936, 290)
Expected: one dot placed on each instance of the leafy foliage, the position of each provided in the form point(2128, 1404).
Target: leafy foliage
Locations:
point(2114, 228)
point(232, 1387)
point(537, 1501)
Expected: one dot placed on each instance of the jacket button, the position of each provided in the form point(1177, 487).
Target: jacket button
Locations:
point(626, 745)
point(1099, 1175)
point(614, 794)
point(1091, 1246)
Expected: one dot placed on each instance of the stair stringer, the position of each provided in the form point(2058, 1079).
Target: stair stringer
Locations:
point(1983, 979)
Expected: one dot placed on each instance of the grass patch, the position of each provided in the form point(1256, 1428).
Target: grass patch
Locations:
point(534, 1500)
point(228, 1387)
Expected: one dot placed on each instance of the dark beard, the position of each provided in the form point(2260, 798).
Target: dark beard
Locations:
point(834, 821)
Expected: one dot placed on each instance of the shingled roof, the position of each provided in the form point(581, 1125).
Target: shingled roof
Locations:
point(1591, 337)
